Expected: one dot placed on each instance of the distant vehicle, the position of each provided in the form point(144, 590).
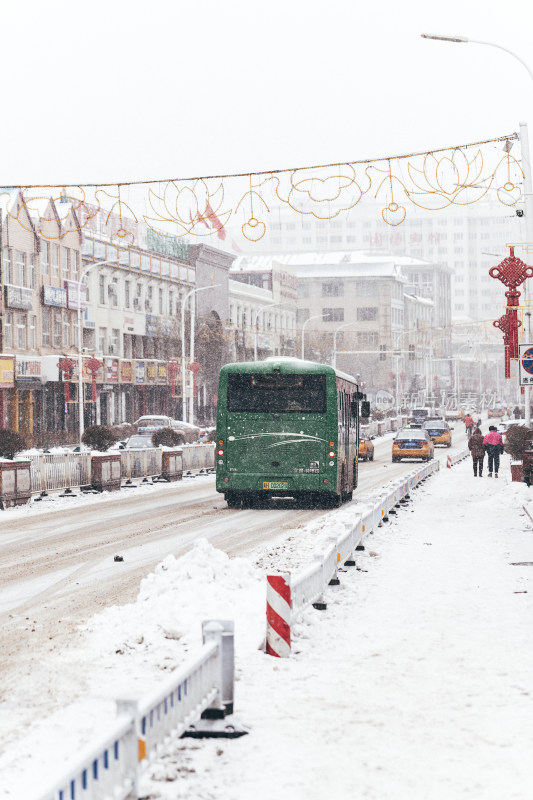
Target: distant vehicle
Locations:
point(496, 411)
point(439, 431)
point(412, 443)
point(153, 422)
point(287, 428)
point(420, 415)
point(138, 442)
point(366, 448)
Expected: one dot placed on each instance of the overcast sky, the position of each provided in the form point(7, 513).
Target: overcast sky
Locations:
point(127, 90)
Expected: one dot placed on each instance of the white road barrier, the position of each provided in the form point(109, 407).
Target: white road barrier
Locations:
point(110, 768)
point(290, 593)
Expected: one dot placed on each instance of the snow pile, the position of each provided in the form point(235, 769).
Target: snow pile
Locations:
point(416, 682)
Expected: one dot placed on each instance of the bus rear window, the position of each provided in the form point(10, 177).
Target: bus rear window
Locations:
point(276, 393)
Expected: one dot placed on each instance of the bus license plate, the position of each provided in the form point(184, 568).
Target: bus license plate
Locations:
point(275, 485)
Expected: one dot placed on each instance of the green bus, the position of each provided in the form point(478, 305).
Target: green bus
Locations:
point(287, 428)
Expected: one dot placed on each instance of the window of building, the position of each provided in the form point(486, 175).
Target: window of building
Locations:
point(66, 330)
point(302, 314)
point(336, 239)
point(45, 256)
point(101, 289)
point(55, 260)
point(102, 334)
point(8, 330)
point(322, 239)
point(459, 307)
point(333, 314)
point(367, 313)
point(115, 340)
point(160, 301)
point(65, 258)
point(366, 288)
point(33, 322)
point(20, 268)
point(127, 294)
point(458, 250)
point(303, 289)
point(46, 327)
point(57, 328)
point(370, 338)
point(75, 262)
point(7, 265)
point(332, 289)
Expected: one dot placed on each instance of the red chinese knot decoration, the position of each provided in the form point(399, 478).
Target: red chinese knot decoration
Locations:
point(66, 365)
point(173, 372)
point(195, 368)
point(511, 272)
point(93, 365)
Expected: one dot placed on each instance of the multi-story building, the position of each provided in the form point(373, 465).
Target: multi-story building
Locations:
point(351, 310)
point(144, 307)
point(463, 240)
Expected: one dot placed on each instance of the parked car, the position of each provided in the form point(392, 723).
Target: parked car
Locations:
point(439, 431)
point(412, 443)
point(503, 427)
point(138, 441)
point(191, 432)
point(153, 422)
point(497, 411)
point(366, 449)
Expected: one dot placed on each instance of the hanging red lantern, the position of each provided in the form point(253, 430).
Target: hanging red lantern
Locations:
point(93, 365)
point(173, 369)
point(66, 365)
point(195, 368)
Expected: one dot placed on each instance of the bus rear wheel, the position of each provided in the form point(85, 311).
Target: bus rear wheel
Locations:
point(233, 499)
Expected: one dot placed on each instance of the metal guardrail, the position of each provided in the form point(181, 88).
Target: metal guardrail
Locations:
point(52, 471)
point(289, 598)
point(59, 471)
point(110, 767)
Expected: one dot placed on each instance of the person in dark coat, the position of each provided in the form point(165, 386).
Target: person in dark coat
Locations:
point(493, 444)
point(477, 451)
point(516, 412)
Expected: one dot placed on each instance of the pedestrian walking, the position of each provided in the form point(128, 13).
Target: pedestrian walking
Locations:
point(477, 451)
point(469, 425)
point(516, 412)
point(493, 444)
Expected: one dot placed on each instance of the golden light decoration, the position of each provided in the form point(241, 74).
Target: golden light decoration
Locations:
point(201, 207)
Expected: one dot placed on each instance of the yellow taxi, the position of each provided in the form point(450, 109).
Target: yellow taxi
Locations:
point(412, 443)
point(439, 432)
point(366, 449)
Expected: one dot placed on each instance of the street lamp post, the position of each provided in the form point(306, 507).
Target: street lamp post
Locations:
point(254, 324)
point(315, 316)
point(526, 162)
point(192, 293)
point(344, 325)
point(83, 274)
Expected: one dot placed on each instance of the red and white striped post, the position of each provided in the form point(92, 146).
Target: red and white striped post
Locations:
point(449, 462)
point(279, 615)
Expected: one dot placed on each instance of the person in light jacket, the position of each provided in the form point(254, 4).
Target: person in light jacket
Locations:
point(493, 444)
point(477, 451)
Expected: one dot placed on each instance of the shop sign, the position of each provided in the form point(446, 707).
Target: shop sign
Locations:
point(150, 373)
point(151, 325)
point(111, 370)
point(28, 371)
point(54, 296)
point(162, 373)
point(7, 372)
point(139, 372)
point(72, 290)
point(19, 297)
point(126, 372)
point(165, 326)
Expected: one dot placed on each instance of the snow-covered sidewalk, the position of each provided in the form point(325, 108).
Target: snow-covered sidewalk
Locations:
point(416, 682)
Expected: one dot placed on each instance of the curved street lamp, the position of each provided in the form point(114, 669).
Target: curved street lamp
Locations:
point(315, 316)
point(526, 162)
point(184, 299)
point(344, 325)
point(83, 274)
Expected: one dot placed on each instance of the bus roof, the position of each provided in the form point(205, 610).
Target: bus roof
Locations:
point(286, 364)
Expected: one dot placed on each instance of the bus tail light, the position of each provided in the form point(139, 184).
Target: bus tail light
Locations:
point(331, 454)
point(226, 480)
point(221, 441)
point(220, 452)
point(326, 480)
